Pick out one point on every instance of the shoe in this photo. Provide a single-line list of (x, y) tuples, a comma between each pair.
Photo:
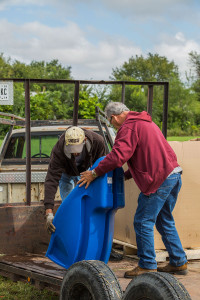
[(182, 270), (114, 256), (137, 271)]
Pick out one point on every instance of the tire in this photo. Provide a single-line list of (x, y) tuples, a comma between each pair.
[(156, 286), (90, 280)]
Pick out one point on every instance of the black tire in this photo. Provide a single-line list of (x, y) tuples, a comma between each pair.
[(177, 285), (156, 286), (90, 280)]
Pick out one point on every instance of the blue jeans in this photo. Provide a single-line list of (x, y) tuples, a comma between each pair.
[(156, 209), (67, 184)]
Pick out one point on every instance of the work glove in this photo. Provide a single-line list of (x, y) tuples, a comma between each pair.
[(49, 219)]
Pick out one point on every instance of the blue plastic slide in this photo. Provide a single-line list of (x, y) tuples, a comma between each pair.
[(85, 220)]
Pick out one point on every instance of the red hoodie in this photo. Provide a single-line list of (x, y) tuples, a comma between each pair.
[(141, 144)]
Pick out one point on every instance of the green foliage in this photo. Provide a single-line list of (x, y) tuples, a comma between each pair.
[(134, 95), (152, 68), (48, 101), (88, 100), (10, 290), (183, 109), (87, 105), (48, 106), (195, 62), (55, 101)]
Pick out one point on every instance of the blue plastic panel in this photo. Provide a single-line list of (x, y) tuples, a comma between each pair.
[(85, 221)]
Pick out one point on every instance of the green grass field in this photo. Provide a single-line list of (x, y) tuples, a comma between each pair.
[(181, 138), (10, 290)]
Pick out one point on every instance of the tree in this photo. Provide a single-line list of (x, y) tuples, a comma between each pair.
[(48, 106), (88, 100), (152, 68), (182, 112), (5, 67), (195, 62), (47, 100)]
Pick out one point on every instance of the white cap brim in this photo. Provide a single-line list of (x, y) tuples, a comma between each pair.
[(73, 148)]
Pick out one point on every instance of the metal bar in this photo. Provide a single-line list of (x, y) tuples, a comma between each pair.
[(102, 115), (109, 135), (101, 118), (123, 92), (8, 122), (101, 129), (28, 142), (76, 103), (150, 99), (63, 81), (11, 116), (165, 109)]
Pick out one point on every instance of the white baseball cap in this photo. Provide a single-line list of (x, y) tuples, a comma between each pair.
[(74, 140)]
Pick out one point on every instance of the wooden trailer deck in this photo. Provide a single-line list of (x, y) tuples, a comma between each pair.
[(42, 272)]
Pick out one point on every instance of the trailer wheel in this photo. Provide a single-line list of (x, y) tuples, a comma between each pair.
[(90, 280), (156, 286)]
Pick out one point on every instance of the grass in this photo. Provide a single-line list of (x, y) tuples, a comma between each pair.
[(10, 290), (181, 138)]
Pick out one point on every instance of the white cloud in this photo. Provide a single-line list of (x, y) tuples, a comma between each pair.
[(9, 3), (146, 9), (74, 47), (180, 37), (176, 48), (35, 41), (135, 8)]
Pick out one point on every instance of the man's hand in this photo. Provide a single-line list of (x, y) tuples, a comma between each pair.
[(86, 178), (49, 219)]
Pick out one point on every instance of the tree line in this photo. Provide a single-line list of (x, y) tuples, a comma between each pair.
[(55, 101)]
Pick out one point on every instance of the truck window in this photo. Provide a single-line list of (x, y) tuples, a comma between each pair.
[(41, 146)]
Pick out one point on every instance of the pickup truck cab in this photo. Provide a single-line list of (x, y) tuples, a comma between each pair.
[(13, 159)]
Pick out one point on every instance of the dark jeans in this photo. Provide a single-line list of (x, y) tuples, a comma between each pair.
[(67, 184), (156, 209)]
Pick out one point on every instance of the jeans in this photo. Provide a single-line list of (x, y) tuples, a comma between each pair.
[(156, 209), (67, 184)]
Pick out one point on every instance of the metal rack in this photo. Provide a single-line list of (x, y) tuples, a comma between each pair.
[(100, 117)]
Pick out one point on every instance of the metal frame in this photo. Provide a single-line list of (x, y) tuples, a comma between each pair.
[(27, 83)]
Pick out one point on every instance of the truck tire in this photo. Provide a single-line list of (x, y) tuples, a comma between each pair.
[(90, 280), (156, 286)]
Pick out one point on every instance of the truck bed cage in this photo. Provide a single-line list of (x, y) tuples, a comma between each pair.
[(99, 114)]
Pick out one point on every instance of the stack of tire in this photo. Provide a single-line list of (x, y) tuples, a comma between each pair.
[(94, 280)]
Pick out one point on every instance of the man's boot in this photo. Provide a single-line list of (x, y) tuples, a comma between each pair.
[(182, 270), (137, 271)]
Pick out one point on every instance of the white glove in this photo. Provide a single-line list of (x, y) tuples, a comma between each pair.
[(49, 219)]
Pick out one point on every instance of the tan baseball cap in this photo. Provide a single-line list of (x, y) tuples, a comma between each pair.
[(74, 140)]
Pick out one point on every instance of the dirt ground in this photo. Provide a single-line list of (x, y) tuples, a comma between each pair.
[(191, 281)]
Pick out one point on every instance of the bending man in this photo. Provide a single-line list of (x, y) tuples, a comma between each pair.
[(75, 152)]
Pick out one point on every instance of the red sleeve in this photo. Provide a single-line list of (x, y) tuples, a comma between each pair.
[(123, 149)]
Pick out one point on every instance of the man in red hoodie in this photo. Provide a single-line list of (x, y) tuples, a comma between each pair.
[(153, 165)]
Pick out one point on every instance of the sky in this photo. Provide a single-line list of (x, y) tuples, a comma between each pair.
[(93, 37)]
